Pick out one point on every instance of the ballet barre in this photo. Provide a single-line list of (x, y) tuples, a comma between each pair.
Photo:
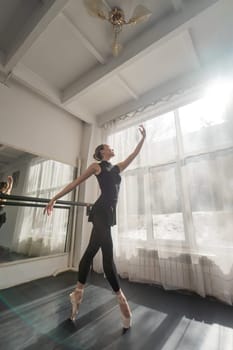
[(24, 201), (41, 200)]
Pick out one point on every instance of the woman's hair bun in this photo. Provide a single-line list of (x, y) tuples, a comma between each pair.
[(97, 155), (96, 158)]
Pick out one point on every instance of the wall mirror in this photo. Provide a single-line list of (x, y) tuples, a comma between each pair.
[(27, 232)]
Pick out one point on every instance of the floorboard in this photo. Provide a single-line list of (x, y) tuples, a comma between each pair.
[(35, 316)]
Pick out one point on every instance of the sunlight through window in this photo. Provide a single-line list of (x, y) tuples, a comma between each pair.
[(216, 99), (208, 111)]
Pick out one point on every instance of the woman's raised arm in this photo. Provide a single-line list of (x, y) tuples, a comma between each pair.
[(130, 158), (9, 184), (92, 169)]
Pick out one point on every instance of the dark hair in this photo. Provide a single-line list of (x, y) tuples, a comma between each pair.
[(97, 155), (2, 185)]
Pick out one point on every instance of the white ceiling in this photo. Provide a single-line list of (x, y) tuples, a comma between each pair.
[(60, 52)]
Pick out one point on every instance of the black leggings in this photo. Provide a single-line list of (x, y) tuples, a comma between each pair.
[(2, 219), (100, 238)]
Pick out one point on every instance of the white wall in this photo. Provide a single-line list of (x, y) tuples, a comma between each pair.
[(23, 271), (30, 123)]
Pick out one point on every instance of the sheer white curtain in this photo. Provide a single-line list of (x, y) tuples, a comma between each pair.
[(36, 234), (175, 210)]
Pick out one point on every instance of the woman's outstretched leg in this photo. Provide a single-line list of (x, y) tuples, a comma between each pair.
[(112, 277), (84, 267), (126, 314)]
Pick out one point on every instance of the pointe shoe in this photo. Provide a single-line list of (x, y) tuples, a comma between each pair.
[(75, 299), (126, 315)]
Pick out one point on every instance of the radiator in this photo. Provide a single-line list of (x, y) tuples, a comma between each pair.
[(172, 270)]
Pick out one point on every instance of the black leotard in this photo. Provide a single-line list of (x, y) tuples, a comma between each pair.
[(109, 181)]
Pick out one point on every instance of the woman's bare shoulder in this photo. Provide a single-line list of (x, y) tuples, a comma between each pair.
[(95, 167)]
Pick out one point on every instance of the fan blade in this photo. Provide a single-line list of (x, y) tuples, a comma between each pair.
[(140, 14), (96, 8)]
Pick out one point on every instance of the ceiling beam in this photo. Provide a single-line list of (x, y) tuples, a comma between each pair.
[(43, 15), (38, 85), (177, 4), (152, 96), (127, 87), (32, 80), (154, 36), (221, 66), (88, 45), (2, 59)]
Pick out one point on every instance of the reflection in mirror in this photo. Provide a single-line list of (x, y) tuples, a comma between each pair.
[(25, 232)]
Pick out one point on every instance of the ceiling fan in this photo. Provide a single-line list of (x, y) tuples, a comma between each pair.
[(116, 16)]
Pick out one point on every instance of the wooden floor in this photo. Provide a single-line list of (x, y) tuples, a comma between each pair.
[(35, 316)]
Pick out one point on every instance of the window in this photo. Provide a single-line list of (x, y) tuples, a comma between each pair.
[(181, 183)]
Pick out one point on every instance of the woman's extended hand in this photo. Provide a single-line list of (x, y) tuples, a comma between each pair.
[(49, 207), (142, 131), (10, 179)]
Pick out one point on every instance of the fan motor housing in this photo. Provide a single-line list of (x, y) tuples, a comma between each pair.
[(116, 16)]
